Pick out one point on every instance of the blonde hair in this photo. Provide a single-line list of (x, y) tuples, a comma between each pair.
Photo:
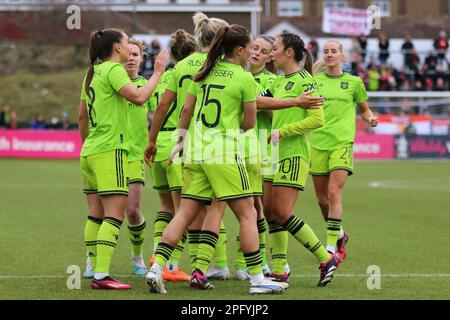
[(226, 40), (206, 28), (320, 65), (341, 48), (140, 45)]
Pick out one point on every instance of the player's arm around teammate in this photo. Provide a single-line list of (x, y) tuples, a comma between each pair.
[(261, 67), (228, 180), (332, 145), (103, 158), (293, 150)]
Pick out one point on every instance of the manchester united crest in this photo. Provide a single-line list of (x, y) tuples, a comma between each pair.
[(289, 86)]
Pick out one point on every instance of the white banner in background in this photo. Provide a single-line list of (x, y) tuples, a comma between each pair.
[(345, 21)]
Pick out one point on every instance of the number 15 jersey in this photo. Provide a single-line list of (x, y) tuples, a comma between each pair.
[(218, 111)]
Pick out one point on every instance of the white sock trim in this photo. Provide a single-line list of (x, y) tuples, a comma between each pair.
[(331, 248), (341, 234), (100, 275), (257, 278), (156, 268)]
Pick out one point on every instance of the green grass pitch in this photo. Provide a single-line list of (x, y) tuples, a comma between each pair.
[(397, 215)]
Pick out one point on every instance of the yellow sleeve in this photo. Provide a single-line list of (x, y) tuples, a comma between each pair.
[(314, 120)]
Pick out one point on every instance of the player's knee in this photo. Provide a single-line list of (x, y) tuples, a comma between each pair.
[(171, 238), (247, 216), (280, 214), (267, 207), (133, 212), (166, 205), (334, 194), (267, 214), (258, 207), (323, 204), (281, 219)]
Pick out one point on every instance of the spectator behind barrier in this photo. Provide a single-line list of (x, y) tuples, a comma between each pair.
[(441, 44), (5, 117), (38, 123)]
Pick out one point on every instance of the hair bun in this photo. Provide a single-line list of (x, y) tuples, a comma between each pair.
[(180, 35), (199, 18)]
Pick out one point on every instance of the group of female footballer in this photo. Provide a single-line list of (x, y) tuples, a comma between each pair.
[(239, 122)]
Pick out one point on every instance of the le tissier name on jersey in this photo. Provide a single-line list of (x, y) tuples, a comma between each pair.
[(222, 73)]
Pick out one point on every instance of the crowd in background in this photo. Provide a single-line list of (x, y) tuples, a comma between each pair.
[(431, 74), (9, 120)]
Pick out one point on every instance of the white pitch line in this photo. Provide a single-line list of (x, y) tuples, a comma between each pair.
[(350, 275), (393, 275), (36, 186), (409, 185), (32, 277)]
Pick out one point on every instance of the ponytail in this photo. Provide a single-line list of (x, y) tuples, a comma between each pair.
[(93, 55), (88, 80), (224, 43), (319, 67), (205, 29), (214, 54), (100, 48), (308, 65)]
